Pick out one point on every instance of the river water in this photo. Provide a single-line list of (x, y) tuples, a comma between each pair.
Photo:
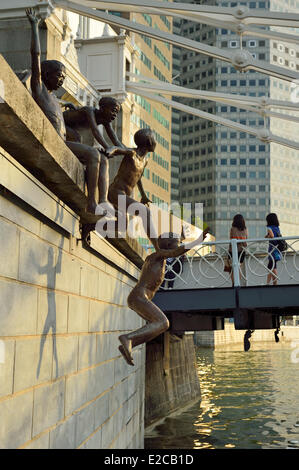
[(249, 400)]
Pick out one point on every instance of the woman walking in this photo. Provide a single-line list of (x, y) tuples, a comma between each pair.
[(274, 254), (239, 231)]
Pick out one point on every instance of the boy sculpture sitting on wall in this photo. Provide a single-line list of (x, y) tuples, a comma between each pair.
[(45, 78), (82, 123), (140, 298)]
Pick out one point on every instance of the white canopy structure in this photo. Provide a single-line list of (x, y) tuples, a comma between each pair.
[(242, 20), (238, 20), (263, 134), (241, 59)]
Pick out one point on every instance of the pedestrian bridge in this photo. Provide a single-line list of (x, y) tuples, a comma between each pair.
[(198, 294)]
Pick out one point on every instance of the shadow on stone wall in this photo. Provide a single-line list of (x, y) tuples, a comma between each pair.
[(51, 269)]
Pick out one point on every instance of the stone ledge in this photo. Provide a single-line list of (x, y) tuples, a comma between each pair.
[(29, 137)]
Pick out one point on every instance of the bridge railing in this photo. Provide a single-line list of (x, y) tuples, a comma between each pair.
[(206, 268)]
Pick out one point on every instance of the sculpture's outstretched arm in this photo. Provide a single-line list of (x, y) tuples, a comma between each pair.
[(35, 51)]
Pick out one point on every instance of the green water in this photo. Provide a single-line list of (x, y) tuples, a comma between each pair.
[(249, 400)]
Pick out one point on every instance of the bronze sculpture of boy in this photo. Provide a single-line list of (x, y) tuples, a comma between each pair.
[(140, 298), (45, 78)]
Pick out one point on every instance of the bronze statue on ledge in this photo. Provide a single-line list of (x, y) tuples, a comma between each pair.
[(45, 78), (129, 175), (85, 121), (140, 298)]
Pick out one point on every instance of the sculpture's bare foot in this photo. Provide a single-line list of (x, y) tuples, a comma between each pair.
[(125, 349), (106, 210), (85, 232), (91, 206)]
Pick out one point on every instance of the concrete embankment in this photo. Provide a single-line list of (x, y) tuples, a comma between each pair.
[(171, 376)]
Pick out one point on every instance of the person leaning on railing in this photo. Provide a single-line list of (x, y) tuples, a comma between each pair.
[(274, 253), (239, 231)]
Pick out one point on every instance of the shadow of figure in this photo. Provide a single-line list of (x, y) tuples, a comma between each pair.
[(51, 270), (59, 213)]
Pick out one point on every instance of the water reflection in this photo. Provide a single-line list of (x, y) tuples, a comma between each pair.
[(248, 400)]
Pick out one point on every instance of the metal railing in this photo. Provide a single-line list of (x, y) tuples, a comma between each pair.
[(202, 269)]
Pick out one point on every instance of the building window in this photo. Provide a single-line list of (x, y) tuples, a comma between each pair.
[(252, 43)]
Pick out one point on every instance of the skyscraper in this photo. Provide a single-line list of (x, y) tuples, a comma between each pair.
[(154, 60), (233, 172)]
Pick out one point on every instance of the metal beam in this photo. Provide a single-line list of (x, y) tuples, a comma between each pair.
[(171, 89), (263, 134), (224, 301), (241, 60), (262, 103), (156, 8), (240, 14), (256, 107)]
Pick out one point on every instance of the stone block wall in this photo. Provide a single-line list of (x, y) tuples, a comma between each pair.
[(63, 382), (171, 376)]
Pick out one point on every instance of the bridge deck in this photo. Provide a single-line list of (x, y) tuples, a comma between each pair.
[(256, 307)]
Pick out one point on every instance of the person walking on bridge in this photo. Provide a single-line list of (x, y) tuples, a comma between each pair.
[(239, 231), (274, 253)]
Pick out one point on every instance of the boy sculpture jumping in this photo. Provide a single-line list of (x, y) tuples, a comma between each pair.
[(140, 298)]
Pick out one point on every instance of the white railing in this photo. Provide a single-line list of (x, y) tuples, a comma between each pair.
[(204, 268)]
